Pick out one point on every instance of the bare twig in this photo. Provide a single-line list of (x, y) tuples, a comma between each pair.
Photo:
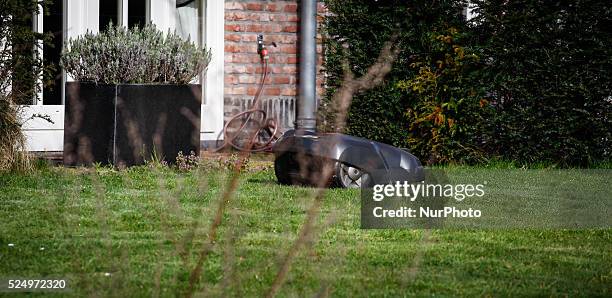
[(350, 86), (212, 232), (371, 79)]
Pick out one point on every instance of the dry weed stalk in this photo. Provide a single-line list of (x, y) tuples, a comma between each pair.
[(217, 220), (181, 244), (342, 99)]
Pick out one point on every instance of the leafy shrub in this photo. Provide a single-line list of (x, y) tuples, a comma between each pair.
[(446, 117), (138, 55), (539, 91), (357, 30)]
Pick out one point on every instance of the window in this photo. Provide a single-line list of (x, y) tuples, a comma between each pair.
[(188, 18), (53, 24), (137, 13), (109, 13)]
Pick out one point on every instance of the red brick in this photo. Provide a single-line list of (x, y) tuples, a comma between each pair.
[(249, 48), (249, 37), (275, 69), (234, 47), (277, 58), (231, 27), (230, 79), (251, 90), (246, 58), (247, 79), (272, 28), (231, 48), (288, 38), (262, 17), (289, 91), (281, 80), (288, 49), (293, 18), (292, 60), (289, 69), (257, 69), (272, 91), (253, 28), (290, 28), (271, 7), (236, 90), (290, 8), (271, 69), (235, 16), (278, 17), (233, 5), (254, 6), (236, 68), (232, 37)]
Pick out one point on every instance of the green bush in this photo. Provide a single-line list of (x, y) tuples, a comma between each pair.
[(138, 55), (532, 85), (548, 75), (357, 30), (446, 119)]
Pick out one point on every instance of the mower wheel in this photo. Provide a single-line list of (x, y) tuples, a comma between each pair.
[(347, 176)]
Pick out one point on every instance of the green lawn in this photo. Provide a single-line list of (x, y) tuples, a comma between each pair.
[(138, 232)]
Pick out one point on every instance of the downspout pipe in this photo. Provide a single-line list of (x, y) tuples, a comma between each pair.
[(307, 100)]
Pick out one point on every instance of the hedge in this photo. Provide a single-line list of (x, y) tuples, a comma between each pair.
[(527, 81)]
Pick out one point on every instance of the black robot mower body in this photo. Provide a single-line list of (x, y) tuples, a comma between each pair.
[(300, 158), (303, 154)]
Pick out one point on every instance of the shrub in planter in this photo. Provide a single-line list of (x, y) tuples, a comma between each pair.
[(132, 98)]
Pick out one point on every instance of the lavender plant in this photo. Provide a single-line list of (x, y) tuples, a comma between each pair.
[(133, 56), (187, 162)]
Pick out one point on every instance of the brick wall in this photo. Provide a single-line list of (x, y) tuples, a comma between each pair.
[(278, 21)]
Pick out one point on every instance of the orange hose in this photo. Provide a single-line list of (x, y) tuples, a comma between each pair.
[(264, 126)]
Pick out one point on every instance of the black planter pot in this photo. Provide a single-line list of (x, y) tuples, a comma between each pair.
[(126, 125)]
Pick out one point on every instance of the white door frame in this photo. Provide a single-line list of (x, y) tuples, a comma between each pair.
[(81, 16), (213, 88)]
